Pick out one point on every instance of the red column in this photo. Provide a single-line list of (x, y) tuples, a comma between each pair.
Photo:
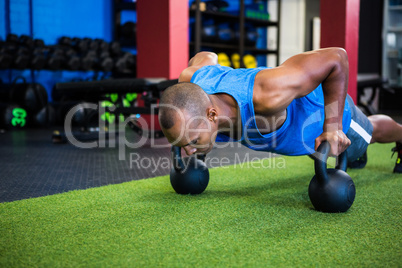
[(162, 38), (340, 28)]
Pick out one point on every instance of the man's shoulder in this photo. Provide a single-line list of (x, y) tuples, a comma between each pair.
[(187, 74)]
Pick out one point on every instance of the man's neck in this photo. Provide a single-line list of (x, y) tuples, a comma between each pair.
[(228, 110)]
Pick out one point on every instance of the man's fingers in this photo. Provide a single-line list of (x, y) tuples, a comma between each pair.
[(334, 148), (318, 142), (338, 141)]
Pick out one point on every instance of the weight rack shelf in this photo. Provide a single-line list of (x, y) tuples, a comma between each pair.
[(235, 48), (234, 18), (239, 46)]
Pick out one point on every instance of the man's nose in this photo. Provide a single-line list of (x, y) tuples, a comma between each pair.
[(190, 150)]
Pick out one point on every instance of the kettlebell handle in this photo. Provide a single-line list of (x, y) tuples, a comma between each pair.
[(178, 163), (320, 162)]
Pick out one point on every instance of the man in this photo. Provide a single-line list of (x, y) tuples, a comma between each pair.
[(290, 109)]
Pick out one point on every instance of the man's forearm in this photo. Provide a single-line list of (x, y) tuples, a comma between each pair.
[(335, 91)]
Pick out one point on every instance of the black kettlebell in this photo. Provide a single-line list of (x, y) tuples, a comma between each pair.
[(331, 190), (189, 175)]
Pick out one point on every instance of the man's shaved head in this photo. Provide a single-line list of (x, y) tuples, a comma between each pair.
[(187, 97)]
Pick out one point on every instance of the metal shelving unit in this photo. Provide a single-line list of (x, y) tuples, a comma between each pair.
[(118, 7), (197, 44), (392, 44)]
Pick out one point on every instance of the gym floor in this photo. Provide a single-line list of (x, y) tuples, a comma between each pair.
[(249, 216), (32, 165)]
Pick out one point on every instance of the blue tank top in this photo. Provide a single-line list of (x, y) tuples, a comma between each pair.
[(304, 120)]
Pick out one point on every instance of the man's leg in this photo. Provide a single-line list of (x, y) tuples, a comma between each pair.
[(386, 130)]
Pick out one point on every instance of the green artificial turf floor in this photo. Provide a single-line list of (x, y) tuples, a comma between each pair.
[(248, 216)]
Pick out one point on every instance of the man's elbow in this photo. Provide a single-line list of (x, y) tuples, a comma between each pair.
[(207, 54), (204, 58), (340, 57)]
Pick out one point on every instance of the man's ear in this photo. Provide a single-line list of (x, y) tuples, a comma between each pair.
[(212, 114)]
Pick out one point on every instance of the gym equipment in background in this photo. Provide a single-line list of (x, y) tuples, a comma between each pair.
[(209, 31), (128, 33), (223, 59), (189, 175), (250, 61), (21, 52), (85, 54), (251, 35), (147, 92), (235, 58), (24, 104), (12, 116), (331, 190), (225, 33), (32, 96)]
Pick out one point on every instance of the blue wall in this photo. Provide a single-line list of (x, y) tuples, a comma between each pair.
[(2, 20), (55, 18), (51, 20)]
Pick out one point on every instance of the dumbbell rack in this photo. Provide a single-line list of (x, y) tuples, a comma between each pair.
[(118, 7), (240, 48)]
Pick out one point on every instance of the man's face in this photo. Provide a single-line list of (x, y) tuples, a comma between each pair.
[(195, 135)]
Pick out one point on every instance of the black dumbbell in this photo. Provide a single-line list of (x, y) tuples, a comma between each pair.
[(12, 39), (26, 41), (89, 60), (71, 59), (114, 48), (5, 57), (19, 55), (37, 55), (129, 31), (126, 63), (102, 45), (38, 60), (80, 45), (104, 62), (39, 43), (92, 44), (35, 49), (65, 41), (21, 58), (54, 58)]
